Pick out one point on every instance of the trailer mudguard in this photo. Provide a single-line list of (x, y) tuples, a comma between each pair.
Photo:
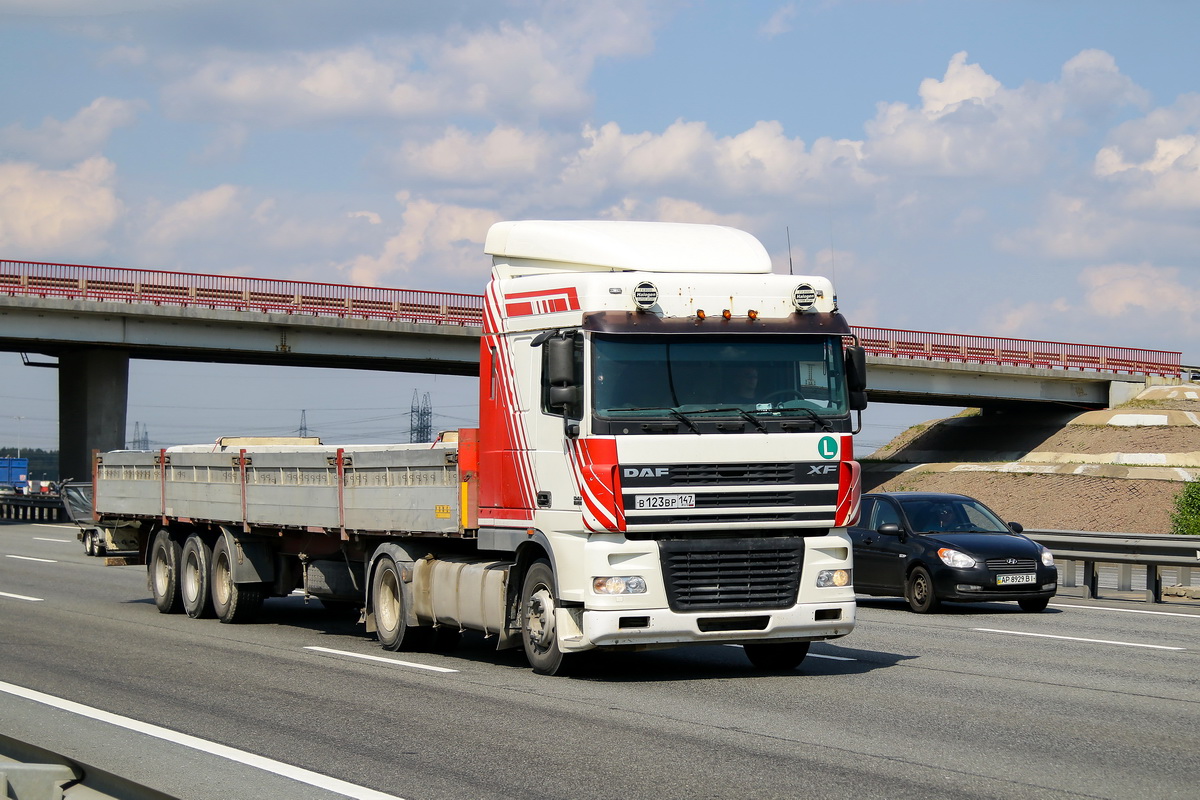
[(253, 560)]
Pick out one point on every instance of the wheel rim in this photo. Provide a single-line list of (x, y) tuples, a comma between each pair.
[(920, 589), (162, 573), (539, 618), (387, 607), (191, 578), (222, 587)]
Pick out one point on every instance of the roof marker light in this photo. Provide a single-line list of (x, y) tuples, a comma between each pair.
[(700, 314), (726, 314)]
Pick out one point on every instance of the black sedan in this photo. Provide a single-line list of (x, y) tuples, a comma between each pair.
[(928, 547)]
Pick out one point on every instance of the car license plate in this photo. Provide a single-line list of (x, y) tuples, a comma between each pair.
[(1025, 577), (651, 501)]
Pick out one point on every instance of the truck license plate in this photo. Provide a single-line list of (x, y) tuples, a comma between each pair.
[(650, 501), (1005, 580)]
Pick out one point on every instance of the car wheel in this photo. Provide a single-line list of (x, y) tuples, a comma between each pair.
[(919, 591), (1034, 604)]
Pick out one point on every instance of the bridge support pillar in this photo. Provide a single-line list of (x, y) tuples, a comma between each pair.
[(93, 394)]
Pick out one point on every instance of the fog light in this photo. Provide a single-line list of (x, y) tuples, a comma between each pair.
[(967, 587), (1048, 586), (833, 577), (629, 584)]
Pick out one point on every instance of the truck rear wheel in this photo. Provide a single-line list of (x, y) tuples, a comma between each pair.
[(232, 602), (195, 577), (538, 631), (164, 559), (387, 602)]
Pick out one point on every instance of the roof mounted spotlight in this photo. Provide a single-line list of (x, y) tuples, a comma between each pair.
[(645, 295), (804, 297)]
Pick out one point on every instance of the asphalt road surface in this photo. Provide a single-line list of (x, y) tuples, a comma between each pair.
[(1096, 699)]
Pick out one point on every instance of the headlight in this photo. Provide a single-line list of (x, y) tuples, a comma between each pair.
[(1047, 558), (833, 577), (953, 558), (629, 584)]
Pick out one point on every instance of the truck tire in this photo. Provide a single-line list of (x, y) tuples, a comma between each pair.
[(232, 602), (163, 568), (538, 631), (776, 656), (387, 602), (195, 571), (89, 543)]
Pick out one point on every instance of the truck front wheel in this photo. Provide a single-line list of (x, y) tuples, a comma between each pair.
[(538, 631), (232, 602), (164, 573), (195, 577)]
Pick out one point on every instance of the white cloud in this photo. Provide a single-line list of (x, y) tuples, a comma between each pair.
[(1118, 291), (444, 243), (780, 22), (1169, 179), (84, 135), (498, 71), (503, 154), (202, 216), (57, 215)]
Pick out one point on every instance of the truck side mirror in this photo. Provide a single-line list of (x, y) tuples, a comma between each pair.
[(856, 369), (560, 360)]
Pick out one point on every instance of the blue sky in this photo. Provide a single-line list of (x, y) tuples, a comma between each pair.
[(1025, 169)]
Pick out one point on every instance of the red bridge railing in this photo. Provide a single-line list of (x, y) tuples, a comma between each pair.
[(119, 285), (116, 284)]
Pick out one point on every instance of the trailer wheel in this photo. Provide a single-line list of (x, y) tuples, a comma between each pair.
[(195, 577), (164, 573), (387, 602), (89, 543), (232, 602), (538, 632), (776, 656)]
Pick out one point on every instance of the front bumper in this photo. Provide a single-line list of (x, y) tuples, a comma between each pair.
[(584, 630), (979, 585)]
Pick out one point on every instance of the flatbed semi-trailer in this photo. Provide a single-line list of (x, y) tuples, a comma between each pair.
[(630, 483)]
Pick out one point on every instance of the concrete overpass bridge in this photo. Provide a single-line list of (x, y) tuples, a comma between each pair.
[(94, 319)]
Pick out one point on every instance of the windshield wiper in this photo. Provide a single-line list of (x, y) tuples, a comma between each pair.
[(674, 412), (817, 418), (746, 415)]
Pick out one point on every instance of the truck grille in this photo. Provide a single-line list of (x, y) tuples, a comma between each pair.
[(732, 574), (731, 474)]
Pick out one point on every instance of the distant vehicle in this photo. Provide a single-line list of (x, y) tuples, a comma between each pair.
[(14, 473), (929, 548)]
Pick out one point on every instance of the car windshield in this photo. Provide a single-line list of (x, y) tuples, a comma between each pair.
[(950, 514), (646, 376)]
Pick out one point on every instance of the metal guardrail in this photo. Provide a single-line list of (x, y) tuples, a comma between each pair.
[(1152, 551), (117, 284), (47, 507)]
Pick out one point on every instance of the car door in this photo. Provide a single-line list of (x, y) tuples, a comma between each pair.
[(890, 551), (864, 538)]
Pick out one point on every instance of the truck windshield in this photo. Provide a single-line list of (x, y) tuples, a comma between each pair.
[(774, 375)]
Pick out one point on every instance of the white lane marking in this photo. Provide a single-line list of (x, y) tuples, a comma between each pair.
[(59, 541), (46, 525), (298, 774), (1077, 639), (1129, 610), (31, 558), (21, 597), (394, 661)]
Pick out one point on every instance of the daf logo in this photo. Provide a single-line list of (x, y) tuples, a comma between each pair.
[(822, 469), (646, 472)]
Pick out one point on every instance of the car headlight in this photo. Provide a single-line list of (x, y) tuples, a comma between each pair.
[(627, 584), (833, 577), (953, 558), (1047, 558)]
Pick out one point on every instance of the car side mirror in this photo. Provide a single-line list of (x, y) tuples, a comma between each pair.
[(1016, 527), (889, 529)]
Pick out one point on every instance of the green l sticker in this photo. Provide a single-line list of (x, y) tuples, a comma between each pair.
[(827, 447)]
